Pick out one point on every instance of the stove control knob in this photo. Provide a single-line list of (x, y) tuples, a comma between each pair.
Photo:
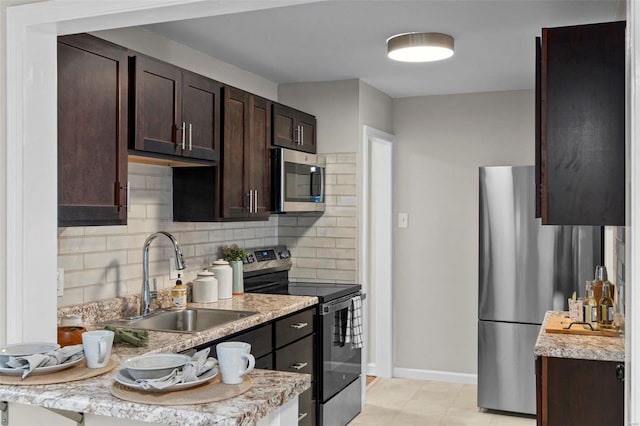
[(250, 258), (284, 254)]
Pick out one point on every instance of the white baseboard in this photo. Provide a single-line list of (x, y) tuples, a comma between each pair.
[(438, 376), (371, 369)]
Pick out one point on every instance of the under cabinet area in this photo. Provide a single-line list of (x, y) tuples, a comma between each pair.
[(580, 119), (176, 112), (92, 131), (294, 129)]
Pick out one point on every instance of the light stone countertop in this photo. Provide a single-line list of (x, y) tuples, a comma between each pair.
[(598, 348), (271, 388)]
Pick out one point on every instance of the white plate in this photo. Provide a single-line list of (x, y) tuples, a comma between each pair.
[(125, 379), (39, 370), (25, 349)]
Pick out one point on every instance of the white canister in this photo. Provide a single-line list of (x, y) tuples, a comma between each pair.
[(224, 273), (205, 288)]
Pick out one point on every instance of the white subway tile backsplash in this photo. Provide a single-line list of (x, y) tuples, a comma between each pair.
[(103, 262), (71, 262), (106, 259), (81, 245), (337, 253)]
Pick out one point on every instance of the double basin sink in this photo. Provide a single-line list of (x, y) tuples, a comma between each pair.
[(182, 321)]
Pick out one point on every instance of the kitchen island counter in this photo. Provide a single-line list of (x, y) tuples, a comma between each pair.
[(596, 348), (271, 389)]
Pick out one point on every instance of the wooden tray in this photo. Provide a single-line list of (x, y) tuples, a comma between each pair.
[(560, 324), (211, 391), (71, 374)]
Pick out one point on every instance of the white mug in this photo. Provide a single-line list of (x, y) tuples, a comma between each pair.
[(97, 347), (233, 358)]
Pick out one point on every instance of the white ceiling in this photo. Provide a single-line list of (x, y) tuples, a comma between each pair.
[(337, 40)]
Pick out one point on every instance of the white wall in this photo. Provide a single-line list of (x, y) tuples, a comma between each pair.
[(157, 46), (441, 142), (335, 105), (375, 108)]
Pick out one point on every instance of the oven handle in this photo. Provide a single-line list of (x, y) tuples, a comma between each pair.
[(331, 307)]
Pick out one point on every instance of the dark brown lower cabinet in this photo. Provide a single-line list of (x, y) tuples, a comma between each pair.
[(285, 344), (579, 392)]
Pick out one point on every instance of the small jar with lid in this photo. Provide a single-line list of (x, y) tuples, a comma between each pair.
[(224, 274), (205, 288)]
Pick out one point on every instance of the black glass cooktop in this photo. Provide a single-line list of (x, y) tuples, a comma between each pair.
[(324, 291)]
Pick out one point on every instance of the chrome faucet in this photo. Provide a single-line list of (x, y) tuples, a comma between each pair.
[(145, 298)]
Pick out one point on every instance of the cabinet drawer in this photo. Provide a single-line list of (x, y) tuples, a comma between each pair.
[(294, 327), (260, 340), (307, 407), (297, 357)]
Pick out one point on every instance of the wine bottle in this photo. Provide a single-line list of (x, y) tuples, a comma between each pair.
[(605, 319), (590, 307)]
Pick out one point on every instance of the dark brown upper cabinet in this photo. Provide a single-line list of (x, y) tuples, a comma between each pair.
[(240, 187), (176, 112), (580, 106), (245, 169), (294, 129), (92, 131)]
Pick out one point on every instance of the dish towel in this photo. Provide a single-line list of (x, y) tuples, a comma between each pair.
[(200, 363), (354, 322), (48, 359)]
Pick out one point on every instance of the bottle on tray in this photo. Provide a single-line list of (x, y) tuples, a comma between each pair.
[(590, 307), (605, 319)]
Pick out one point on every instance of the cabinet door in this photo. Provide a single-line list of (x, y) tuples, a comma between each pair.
[(580, 392), (234, 197), (201, 114), (296, 357), (92, 131), (307, 124), (583, 125), (157, 104), (285, 130), (259, 155)]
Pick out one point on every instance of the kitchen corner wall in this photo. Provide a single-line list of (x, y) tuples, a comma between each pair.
[(106, 261), (323, 248)]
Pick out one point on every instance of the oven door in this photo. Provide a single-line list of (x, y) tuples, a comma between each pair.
[(341, 362), (298, 181)]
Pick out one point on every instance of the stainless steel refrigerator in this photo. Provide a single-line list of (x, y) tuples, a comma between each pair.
[(525, 269)]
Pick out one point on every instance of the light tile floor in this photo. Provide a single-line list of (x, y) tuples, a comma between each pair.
[(400, 402)]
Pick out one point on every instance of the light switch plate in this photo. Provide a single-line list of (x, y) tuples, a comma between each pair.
[(403, 220), (173, 272), (60, 282)]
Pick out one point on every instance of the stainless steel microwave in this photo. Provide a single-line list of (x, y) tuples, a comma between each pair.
[(298, 181)]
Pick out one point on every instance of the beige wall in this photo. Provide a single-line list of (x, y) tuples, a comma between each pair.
[(157, 46), (335, 105), (441, 142), (375, 108)]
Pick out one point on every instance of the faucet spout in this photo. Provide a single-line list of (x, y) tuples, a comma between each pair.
[(145, 297)]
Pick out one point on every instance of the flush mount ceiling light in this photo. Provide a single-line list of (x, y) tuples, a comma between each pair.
[(420, 47)]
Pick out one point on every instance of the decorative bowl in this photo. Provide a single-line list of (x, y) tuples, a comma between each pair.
[(70, 335), (154, 366)]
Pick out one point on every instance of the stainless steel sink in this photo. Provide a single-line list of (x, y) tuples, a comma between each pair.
[(182, 321)]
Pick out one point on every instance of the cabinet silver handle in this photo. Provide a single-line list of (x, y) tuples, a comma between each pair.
[(302, 131), (250, 195), (190, 137), (255, 203), (184, 134), (302, 416), (299, 365), (299, 325)]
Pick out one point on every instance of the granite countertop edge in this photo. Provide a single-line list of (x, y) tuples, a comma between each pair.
[(596, 348), (271, 389)]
